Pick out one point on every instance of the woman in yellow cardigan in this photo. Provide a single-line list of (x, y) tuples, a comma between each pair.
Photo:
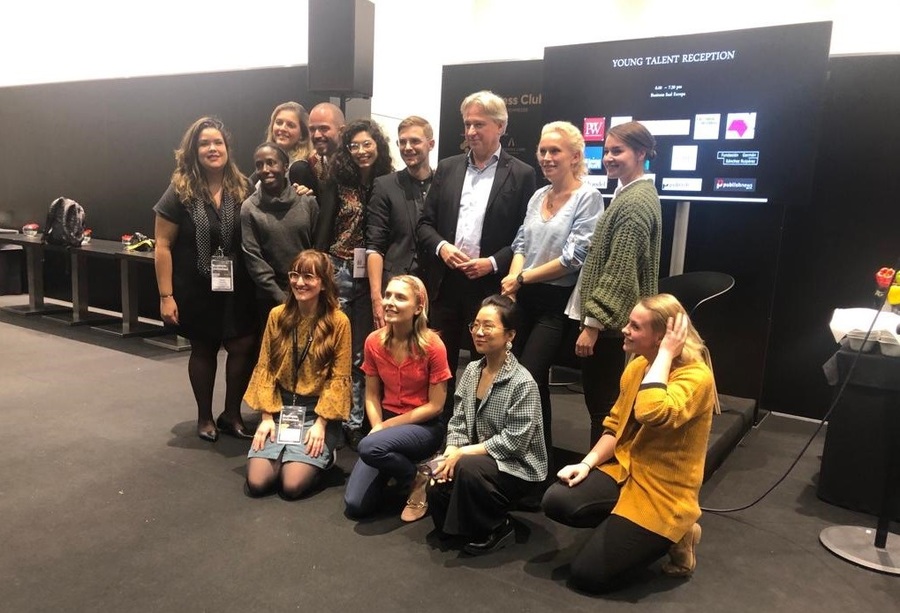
[(303, 378), (639, 485)]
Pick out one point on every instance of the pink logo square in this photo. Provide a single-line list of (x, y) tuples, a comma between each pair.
[(594, 128)]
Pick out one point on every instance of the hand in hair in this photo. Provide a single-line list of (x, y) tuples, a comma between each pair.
[(676, 334)]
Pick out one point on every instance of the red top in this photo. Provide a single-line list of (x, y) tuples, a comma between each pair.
[(404, 387)]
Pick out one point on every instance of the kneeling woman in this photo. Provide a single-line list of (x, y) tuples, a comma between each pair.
[(643, 500), (406, 385), (303, 373), (495, 452)]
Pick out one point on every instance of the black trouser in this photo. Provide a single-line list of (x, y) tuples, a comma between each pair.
[(538, 340), (600, 376), (617, 548), (477, 500)]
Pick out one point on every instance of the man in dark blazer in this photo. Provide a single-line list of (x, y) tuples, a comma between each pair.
[(474, 208), (394, 210)]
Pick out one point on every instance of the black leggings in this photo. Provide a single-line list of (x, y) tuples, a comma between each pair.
[(600, 376), (617, 548), (539, 338)]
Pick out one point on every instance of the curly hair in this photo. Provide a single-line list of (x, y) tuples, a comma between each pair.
[(189, 178), (303, 148), (323, 347), (344, 170)]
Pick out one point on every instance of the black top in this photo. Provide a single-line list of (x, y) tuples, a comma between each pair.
[(203, 313)]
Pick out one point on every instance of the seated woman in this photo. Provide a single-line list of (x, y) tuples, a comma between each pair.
[(406, 384), (303, 372), (495, 452), (643, 499), (276, 225)]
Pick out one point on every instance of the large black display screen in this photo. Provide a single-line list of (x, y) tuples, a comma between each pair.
[(735, 114)]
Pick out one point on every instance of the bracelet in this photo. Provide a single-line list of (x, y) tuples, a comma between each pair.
[(588, 465), (161, 296)]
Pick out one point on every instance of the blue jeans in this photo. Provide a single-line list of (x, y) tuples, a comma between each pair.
[(356, 303), (392, 452)]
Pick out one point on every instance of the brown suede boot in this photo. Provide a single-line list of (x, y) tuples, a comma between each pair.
[(682, 557)]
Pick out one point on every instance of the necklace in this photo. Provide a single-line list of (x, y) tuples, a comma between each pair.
[(556, 199)]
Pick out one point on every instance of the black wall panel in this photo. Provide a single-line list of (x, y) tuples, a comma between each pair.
[(109, 145), (834, 243)]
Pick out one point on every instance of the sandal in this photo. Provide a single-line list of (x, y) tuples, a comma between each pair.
[(416, 505)]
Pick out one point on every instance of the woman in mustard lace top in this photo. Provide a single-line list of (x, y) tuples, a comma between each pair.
[(302, 377)]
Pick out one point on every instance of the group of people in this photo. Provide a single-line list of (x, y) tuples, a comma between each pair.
[(343, 293)]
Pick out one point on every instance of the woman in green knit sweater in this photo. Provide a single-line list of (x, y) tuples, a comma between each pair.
[(639, 485), (621, 267)]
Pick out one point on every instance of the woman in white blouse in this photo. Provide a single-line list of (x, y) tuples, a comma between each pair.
[(549, 249)]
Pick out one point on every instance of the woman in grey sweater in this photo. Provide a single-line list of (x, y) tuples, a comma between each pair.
[(276, 225)]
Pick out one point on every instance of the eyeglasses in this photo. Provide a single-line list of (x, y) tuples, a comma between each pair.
[(412, 142), (485, 328), (366, 145), (307, 277)]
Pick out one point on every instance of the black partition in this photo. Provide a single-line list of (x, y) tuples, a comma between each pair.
[(109, 145), (836, 241)]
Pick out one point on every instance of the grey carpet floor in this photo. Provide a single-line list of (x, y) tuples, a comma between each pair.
[(109, 502)]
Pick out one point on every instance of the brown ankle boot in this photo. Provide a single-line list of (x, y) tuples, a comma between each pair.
[(682, 557)]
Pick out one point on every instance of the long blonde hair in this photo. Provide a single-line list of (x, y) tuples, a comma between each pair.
[(418, 342), (661, 308), (303, 149)]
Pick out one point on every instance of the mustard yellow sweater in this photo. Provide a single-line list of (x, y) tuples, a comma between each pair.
[(661, 434), (330, 383)]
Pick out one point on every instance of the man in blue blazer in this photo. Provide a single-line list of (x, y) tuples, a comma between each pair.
[(474, 208), (394, 209)]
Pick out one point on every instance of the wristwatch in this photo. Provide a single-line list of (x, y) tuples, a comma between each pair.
[(520, 279)]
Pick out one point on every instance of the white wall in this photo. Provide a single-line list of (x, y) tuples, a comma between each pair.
[(60, 40)]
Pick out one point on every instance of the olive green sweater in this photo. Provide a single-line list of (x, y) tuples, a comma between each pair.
[(623, 263)]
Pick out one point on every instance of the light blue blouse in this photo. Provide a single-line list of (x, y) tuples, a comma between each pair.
[(566, 235)]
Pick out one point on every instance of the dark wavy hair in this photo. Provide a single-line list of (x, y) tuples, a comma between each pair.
[(323, 346), (344, 170), (189, 178)]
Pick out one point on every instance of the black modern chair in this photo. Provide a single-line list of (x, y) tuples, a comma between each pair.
[(694, 288)]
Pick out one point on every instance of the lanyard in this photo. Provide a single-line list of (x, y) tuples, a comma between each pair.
[(298, 359)]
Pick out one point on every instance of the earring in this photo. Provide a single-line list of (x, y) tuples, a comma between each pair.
[(508, 347)]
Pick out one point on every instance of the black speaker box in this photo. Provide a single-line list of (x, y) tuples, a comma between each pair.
[(341, 47)]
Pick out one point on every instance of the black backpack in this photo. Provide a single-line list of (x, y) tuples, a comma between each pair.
[(65, 223)]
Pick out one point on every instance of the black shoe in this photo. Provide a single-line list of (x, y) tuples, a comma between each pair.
[(354, 436), (498, 539), (237, 430), (208, 433)]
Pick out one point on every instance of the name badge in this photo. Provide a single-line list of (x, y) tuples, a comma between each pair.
[(221, 273), (290, 425), (359, 263)]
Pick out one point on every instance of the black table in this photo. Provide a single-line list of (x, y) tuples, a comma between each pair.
[(79, 314), (861, 458)]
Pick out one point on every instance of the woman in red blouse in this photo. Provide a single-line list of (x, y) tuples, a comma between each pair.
[(406, 384)]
